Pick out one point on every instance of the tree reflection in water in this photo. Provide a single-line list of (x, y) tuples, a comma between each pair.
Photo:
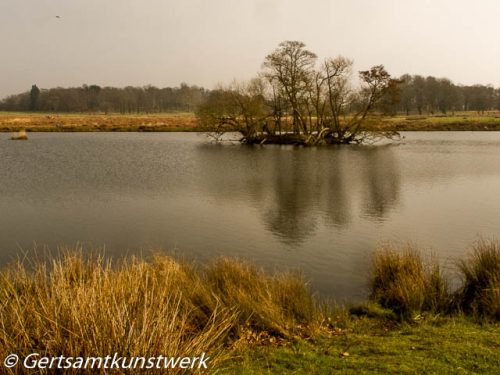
[(297, 189)]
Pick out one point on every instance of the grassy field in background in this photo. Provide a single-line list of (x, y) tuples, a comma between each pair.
[(461, 121), (183, 121), (84, 114), (47, 122)]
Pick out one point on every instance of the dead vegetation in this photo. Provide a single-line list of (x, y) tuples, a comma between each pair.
[(20, 135), (10, 122), (87, 306), (409, 284)]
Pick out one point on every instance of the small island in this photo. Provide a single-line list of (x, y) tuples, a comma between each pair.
[(293, 102)]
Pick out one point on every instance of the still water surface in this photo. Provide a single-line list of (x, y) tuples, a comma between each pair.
[(320, 210)]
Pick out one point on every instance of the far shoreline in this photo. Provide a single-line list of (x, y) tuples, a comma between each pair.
[(187, 122)]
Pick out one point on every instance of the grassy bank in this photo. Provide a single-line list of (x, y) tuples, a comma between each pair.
[(414, 323), (459, 121), (249, 321), (171, 122), (86, 306), (370, 346), (48, 122)]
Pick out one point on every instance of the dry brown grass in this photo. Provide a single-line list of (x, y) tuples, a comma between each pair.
[(480, 293), (42, 122), (20, 135), (275, 304), (14, 121), (76, 305), (460, 121), (404, 283)]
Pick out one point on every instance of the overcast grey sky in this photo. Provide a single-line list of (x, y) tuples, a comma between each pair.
[(166, 42)]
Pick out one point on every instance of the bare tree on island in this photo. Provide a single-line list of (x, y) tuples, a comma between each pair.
[(239, 107), (322, 104), (292, 66)]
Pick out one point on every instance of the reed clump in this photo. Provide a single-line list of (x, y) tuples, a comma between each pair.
[(480, 292), (86, 306), (20, 135), (403, 282), (276, 304)]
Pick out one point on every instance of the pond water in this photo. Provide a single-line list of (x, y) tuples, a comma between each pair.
[(320, 210)]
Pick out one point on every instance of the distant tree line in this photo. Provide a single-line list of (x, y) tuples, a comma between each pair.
[(430, 95), (93, 98), (418, 94)]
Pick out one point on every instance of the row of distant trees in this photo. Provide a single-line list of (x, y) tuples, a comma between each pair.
[(418, 94), (430, 95), (93, 98)]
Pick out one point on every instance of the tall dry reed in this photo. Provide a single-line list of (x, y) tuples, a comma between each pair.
[(404, 283), (480, 292), (87, 306)]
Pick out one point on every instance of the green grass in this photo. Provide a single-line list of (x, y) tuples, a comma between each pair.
[(444, 346)]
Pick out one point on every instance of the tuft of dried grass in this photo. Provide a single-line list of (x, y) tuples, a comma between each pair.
[(404, 283), (480, 292), (276, 304), (20, 135)]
